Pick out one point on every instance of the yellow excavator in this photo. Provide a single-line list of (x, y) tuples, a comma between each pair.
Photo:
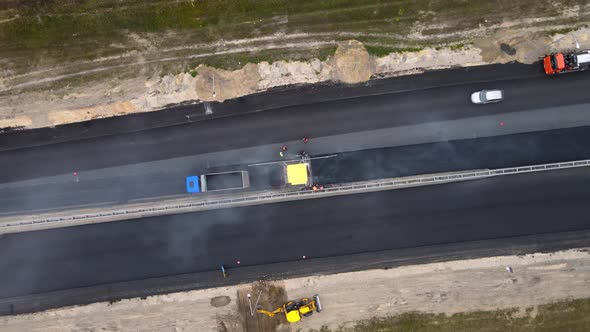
[(294, 310)]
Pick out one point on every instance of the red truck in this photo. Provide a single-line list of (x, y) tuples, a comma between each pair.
[(561, 63)]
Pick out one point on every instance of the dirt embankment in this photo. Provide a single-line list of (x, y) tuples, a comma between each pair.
[(35, 99), (451, 287)]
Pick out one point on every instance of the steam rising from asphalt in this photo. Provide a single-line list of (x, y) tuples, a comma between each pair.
[(448, 156)]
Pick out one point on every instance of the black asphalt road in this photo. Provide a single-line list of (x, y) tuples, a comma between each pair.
[(494, 208), (276, 98), (490, 152), (549, 242), (452, 214), (290, 123), (483, 153)]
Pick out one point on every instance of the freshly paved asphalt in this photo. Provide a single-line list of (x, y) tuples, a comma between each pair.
[(501, 207), (487, 152)]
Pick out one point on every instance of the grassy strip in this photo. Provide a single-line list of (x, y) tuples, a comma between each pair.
[(46, 23), (383, 50), (564, 30), (571, 315), (49, 23), (51, 32), (238, 60)]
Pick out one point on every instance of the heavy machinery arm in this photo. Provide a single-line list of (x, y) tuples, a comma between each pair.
[(270, 313), (294, 310)]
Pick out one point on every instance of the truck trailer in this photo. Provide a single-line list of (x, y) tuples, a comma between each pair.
[(217, 181), (561, 63)]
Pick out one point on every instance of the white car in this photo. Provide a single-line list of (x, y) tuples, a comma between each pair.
[(487, 96)]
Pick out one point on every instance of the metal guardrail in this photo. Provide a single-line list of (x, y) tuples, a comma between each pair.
[(261, 198)]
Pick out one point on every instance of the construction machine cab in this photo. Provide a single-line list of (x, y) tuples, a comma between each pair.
[(554, 63), (294, 310)]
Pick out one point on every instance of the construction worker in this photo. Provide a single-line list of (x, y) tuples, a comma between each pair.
[(223, 271), (281, 154)]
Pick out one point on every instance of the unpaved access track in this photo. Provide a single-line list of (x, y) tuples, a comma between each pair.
[(448, 288), (68, 61)]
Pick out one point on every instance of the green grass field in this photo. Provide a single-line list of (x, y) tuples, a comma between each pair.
[(572, 316), (58, 28), (176, 35)]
